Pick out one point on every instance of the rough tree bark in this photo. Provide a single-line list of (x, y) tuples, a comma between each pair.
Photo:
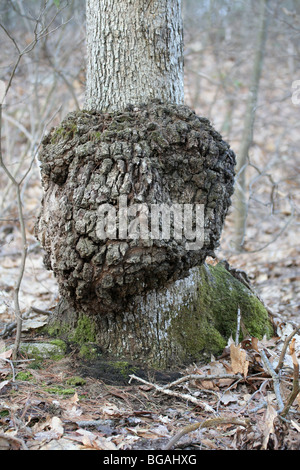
[(141, 297), (134, 53)]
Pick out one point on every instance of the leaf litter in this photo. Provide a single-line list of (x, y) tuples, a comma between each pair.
[(229, 403), (148, 415)]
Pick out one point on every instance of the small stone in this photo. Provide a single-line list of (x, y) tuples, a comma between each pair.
[(42, 350)]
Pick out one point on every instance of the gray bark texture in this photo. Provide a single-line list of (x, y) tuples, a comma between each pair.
[(136, 297), (134, 53), (157, 154)]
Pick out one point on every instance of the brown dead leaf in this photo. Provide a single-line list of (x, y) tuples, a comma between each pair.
[(209, 443), (228, 398), (109, 410), (74, 398), (104, 444), (61, 444), (268, 428), (72, 413), (91, 440), (6, 354), (292, 352), (52, 428), (87, 438), (239, 362), (208, 385), (57, 426), (4, 443), (4, 383)]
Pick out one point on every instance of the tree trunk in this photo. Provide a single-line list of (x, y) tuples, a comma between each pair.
[(240, 212), (136, 290), (134, 53)]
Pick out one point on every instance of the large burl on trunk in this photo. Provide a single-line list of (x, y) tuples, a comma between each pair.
[(130, 285)]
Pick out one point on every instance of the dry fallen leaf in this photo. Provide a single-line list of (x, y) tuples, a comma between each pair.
[(61, 444), (228, 398), (57, 425), (268, 429), (4, 383), (109, 409), (6, 354), (239, 362)]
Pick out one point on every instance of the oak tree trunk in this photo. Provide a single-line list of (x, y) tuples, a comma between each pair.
[(138, 297), (134, 53)]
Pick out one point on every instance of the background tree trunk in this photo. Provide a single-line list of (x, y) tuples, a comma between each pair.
[(240, 212), (134, 53)]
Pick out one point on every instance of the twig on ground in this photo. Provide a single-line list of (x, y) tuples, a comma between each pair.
[(262, 405), (40, 310), (296, 387), (208, 423), (24, 247), (284, 349), (238, 326), (11, 365), (276, 380), (202, 377), (183, 396)]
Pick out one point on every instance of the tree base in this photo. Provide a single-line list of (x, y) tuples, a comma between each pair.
[(183, 323)]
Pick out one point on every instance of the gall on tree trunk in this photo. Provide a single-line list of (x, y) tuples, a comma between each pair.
[(136, 189)]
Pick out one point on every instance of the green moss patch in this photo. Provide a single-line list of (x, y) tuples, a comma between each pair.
[(85, 331), (58, 390), (25, 376), (76, 381), (205, 325)]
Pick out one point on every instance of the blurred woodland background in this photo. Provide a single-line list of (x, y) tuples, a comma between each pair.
[(42, 61)]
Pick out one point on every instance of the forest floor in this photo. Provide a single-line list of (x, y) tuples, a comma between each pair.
[(75, 404), (72, 404)]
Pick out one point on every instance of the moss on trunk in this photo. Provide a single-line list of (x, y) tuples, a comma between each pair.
[(193, 319), (205, 324)]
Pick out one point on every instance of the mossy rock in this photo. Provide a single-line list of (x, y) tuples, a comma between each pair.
[(54, 350)]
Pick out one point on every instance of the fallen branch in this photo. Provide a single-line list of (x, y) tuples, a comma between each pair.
[(208, 423), (276, 380), (296, 387), (183, 396), (202, 377)]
